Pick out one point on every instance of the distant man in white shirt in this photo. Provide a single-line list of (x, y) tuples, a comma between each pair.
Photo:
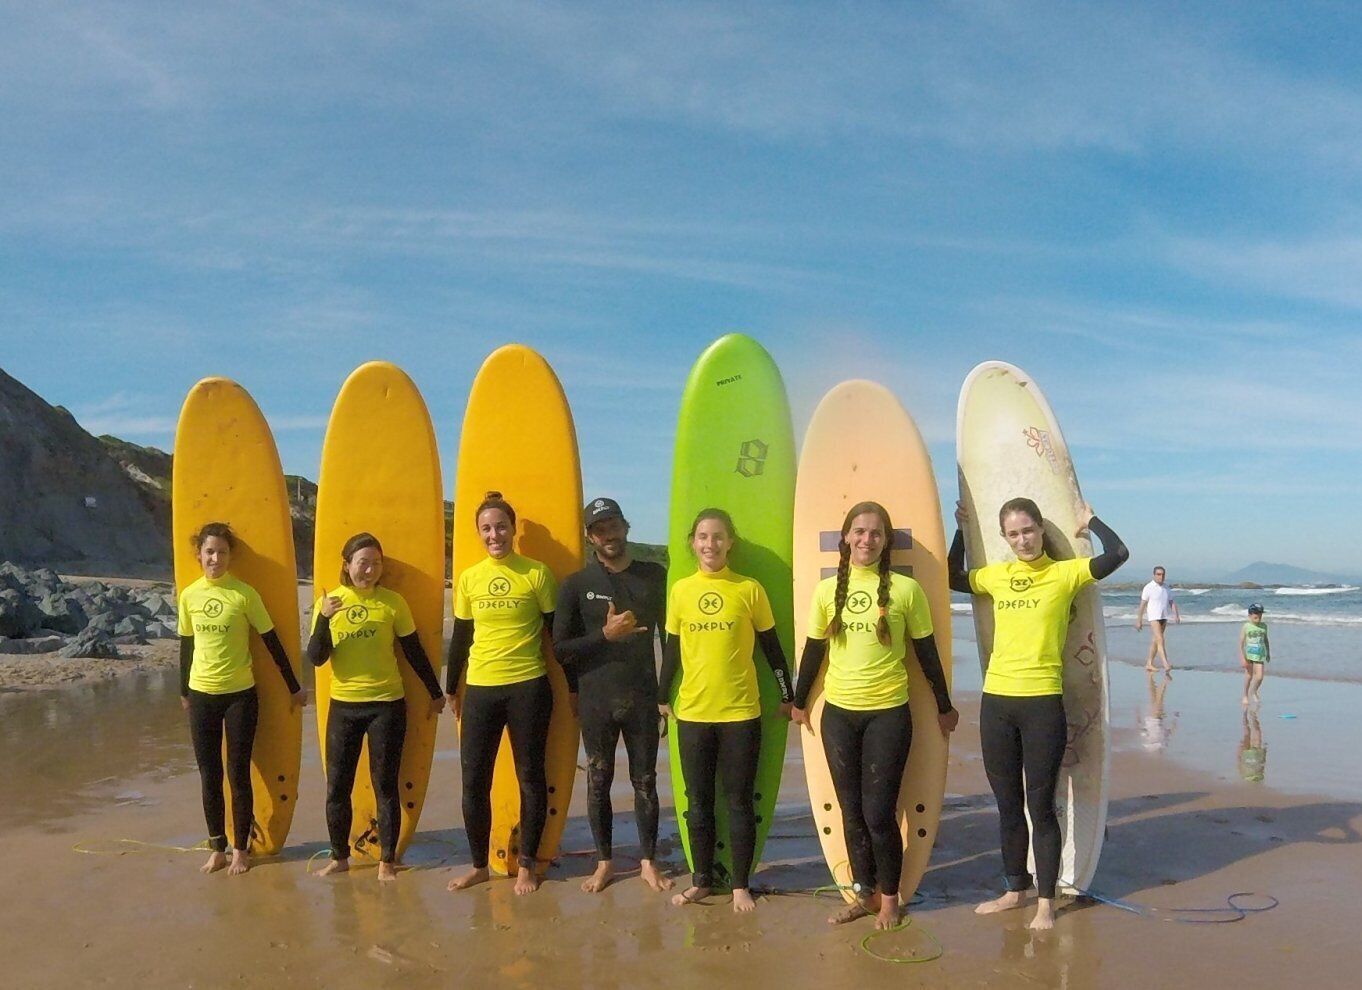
[(1157, 605)]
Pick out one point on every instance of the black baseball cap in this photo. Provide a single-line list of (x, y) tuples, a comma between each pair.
[(1255, 607), (601, 509)]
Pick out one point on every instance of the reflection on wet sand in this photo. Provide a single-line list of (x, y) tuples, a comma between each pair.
[(1156, 727), (1063, 959), (81, 743), (1252, 749)]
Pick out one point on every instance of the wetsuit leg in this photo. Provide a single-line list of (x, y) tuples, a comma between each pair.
[(484, 718), (885, 743), (600, 736), (240, 717), (205, 731), (527, 717), (699, 744), (867, 751), (387, 731), (739, 748), (842, 744), (1001, 743), (1044, 735), (641, 742), (345, 725)]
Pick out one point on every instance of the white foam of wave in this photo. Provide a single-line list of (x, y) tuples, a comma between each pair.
[(1192, 591), (1228, 614), (1236, 612), (962, 608), (1316, 591)]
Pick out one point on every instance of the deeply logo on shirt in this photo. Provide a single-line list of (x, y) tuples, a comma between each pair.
[(500, 587), (213, 608), (1020, 584), (752, 458), (357, 615), (591, 596), (858, 601), (711, 602)]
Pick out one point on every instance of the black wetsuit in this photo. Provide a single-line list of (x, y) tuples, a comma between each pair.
[(1022, 740), (867, 751), (384, 724), (523, 711), (617, 687), (236, 714), (728, 748)]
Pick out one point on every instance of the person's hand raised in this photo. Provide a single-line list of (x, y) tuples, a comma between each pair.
[(621, 625)]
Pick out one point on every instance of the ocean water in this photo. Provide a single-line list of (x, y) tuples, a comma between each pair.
[(1316, 633)]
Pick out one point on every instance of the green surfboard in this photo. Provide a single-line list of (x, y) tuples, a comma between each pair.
[(735, 450)]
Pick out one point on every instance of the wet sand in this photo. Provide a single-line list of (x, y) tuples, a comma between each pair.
[(88, 765)]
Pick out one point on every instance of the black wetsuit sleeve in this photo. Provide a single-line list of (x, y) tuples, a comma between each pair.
[(955, 565), (775, 656), (930, 662), (571, 641), (810, 663), (276, 648), (186, 662), (569, 670), (1114, 552), (671, 666), (319, 646), (420, 662), (459, 645)]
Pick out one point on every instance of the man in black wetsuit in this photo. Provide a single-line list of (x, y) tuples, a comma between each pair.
[(607, 616)]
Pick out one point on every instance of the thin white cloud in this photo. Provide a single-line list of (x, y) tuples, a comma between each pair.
[(1325, 269)]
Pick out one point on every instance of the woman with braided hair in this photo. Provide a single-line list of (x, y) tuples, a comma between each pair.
[(860, 623)]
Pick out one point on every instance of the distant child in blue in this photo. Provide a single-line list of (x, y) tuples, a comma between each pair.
[(1254, 653)]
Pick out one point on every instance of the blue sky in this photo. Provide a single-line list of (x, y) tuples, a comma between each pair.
[(1154, 211)]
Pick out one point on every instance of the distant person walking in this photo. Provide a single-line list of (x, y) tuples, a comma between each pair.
[(1157, 605), (1254, 653)]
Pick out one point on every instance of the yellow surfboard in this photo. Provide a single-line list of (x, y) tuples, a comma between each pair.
[(226, 469), (381, 474), (862, 446), (518, 439)]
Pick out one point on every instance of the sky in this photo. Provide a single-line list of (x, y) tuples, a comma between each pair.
[(1156, 210)]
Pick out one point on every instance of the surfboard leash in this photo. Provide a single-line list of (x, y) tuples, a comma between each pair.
[(137, 846), (1237, 911)]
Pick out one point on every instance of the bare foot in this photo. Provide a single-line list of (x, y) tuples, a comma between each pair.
[(654, 877), (742, 901), (1045, 915), (598, 881), (218, 860), (526, 881), (853, 912), (890, 915), (335, 866), (241, 863), (1012, 899), (1245, 701), (690, 895), (470, 879), (1149, 667), (387, 872)]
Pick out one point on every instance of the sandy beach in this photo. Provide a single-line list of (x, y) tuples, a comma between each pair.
[(108, 760)]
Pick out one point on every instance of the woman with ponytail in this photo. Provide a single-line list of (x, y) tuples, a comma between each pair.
[(860, 623)]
